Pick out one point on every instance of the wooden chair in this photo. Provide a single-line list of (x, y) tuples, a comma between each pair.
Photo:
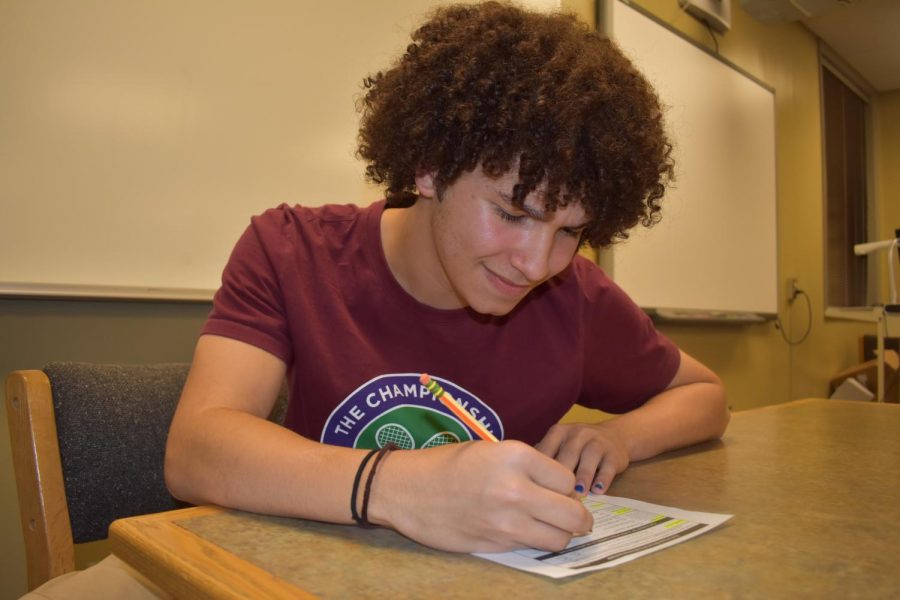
[(88, 445)]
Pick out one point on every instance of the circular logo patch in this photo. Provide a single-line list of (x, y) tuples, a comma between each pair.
[(398, 408)]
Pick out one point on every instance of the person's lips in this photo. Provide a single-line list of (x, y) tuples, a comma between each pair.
[(506, 286)]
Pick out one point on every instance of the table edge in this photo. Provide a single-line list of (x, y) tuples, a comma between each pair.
[(200, 569)]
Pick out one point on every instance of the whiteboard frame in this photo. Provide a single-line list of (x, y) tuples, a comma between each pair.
[(74, 291), (606, 258), (177, 144)]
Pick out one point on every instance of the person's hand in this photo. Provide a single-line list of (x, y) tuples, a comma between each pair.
[(478, 497), (595, 452)]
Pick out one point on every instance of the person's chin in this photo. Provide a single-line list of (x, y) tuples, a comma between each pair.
[(490, 304), (495, 296)]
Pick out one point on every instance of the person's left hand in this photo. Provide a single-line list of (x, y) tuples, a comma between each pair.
[(595, 452)]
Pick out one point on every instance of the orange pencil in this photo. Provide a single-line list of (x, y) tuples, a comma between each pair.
[(450, 402), (447, 400)]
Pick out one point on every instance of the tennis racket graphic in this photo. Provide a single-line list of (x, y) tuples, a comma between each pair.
[(440, 439), (398, 434)]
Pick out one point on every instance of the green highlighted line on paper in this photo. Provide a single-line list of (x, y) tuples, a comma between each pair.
[(624, 529)]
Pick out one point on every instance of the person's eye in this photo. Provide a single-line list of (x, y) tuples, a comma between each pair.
[(575, 233), (509, 217)]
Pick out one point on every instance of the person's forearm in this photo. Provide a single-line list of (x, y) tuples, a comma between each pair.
[(678, 417), (458, 497), (234, 459)]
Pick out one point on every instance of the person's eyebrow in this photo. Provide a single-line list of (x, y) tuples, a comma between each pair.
[(532, 212), (537, 214)]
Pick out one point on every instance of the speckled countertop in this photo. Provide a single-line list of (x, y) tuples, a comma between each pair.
[(814, 487)]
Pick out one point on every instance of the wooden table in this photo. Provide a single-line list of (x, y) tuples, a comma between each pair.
[(814, 486)]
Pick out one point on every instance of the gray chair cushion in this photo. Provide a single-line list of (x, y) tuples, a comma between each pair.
[(112, 423)]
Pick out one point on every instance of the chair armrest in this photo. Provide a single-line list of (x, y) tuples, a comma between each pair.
[(39, 479)]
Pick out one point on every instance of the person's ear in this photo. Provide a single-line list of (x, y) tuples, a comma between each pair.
[(425, 184)]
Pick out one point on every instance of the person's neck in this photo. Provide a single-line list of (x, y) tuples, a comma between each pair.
[(408, 245)]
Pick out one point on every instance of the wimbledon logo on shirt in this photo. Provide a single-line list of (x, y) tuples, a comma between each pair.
[(397, 408)]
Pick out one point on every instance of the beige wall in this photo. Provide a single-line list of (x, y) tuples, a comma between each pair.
[(755, 363), (887, 174), (758, 367)]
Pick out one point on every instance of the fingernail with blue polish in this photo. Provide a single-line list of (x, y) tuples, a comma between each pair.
[(599, 485), (579, 488)]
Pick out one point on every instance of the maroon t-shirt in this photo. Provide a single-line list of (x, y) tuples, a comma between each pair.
[(313, 287)]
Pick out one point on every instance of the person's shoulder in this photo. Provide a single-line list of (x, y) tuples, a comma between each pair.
[(591, 280), (595, 288), (326, 213), (292, 223)]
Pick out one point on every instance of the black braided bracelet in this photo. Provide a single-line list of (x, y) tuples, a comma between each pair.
[(364, 518), (359, 472), (361, 518)]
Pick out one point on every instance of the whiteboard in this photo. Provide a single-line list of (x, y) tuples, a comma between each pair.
[(715, 250), (137, 138)]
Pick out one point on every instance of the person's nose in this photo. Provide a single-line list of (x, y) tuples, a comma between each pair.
[(532, 255)]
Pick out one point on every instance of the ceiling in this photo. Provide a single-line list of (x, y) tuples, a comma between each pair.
[(865, 33)]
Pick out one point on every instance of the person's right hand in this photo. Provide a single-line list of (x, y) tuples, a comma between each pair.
[(478, 497)]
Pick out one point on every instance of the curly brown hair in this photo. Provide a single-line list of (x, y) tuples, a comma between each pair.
[(496, 85)]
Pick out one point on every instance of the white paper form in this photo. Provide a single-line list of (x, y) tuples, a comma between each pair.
[(624, 529)]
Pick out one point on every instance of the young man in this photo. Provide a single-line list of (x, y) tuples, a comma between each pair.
[(505, 140)]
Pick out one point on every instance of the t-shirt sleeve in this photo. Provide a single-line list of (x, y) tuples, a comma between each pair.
[(627, 361), (249, 306)]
